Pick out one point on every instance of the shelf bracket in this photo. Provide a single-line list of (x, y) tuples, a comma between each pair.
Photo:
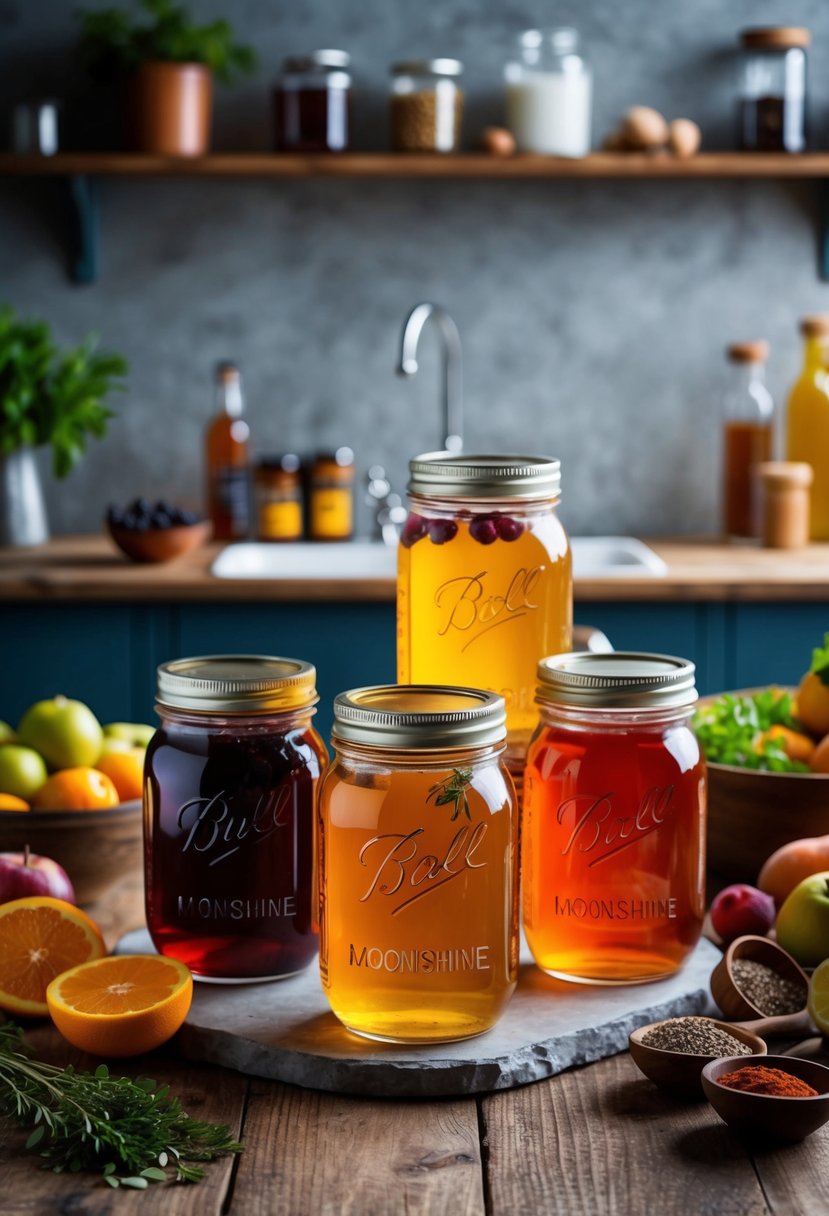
[(84, 214)]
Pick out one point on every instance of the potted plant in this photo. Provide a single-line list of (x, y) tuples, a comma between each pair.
[(50, 397), (167, 64)]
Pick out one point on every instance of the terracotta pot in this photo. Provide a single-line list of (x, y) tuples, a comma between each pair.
[(170, 106)]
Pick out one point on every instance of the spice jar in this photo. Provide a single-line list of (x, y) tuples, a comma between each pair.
[(613, 867), (785, 489), (773, 114), (277, 491), (426, 105), (312, 103), (549, 94), (747, 437), (331, 496), (484, 586), (418, 864), (231, 780)]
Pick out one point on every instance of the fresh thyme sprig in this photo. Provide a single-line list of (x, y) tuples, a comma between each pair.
[(453, 790), (127, 1130)]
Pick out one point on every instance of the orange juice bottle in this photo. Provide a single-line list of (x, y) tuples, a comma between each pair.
[(418, 870), (807, 432)]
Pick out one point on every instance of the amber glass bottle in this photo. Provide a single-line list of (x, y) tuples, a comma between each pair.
[(747, 437), (228, 459)]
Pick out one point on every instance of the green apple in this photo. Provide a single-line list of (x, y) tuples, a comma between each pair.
[(136, 734), (7, 735), (65, 732), (22, 770), (803, 921), (111, 745)]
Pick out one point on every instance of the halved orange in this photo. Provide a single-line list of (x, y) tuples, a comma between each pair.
[(40, 937), (122, 1005)]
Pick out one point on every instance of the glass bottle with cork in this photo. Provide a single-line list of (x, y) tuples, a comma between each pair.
[(807, 422), (748, 437), (228, 458)]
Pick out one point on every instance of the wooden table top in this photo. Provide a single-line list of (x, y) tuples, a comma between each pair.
[(599, 1140), (88, 568)]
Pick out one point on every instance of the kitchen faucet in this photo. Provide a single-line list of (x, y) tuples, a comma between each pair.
[(452, 402)]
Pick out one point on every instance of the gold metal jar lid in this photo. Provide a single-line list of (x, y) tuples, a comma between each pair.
[(237, 684), (448, 475), (419, 717), (620, 680)]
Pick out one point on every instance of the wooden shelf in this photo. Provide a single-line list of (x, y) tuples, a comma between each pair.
[(386, 164)]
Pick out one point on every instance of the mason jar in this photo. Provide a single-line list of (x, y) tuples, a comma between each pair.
[(231, 779), (614, 818), (426, 105), (418, 864), (484, 588), (549, 94)]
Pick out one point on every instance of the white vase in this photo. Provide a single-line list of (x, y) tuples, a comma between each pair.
[(23, 519)]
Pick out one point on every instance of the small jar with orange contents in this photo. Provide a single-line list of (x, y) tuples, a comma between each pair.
[(613, 862), (418, 864)]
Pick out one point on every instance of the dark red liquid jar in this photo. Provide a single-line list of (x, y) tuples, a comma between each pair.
[(230, 793)]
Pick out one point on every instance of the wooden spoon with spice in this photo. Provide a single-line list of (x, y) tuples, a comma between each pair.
[(759, 986)]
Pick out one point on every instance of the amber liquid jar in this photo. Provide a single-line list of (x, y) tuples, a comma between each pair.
[(418, 864), (231, 780), (613, 864)]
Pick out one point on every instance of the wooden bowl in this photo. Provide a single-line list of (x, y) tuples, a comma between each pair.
[(677, 1071), (752, 813), (760, 950), (96, 848), (160, 544), (763, 1116)]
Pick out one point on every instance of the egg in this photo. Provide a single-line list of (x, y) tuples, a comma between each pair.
[(498, 141), (684, 137), (643, 129)]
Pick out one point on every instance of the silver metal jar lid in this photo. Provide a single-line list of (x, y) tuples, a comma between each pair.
[(419, 717), (427, 67), (237, 684), (316, 59), (448, 475), (621, 680)]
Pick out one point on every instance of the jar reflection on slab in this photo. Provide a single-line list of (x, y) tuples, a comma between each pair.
[(418, 865), (613, 834), (231, 781)]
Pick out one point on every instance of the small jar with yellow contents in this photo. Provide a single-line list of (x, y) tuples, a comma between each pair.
[(278, 498), (331, 496)]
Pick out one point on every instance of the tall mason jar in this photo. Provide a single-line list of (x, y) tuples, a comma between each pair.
[(614, 817), (484, 588), (418, 864), (231, 779)]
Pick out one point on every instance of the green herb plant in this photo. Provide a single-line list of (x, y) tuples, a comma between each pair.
[(452, 792), (49, 396), (114, 44), (128, 1131), (820, 661), (729, 727)]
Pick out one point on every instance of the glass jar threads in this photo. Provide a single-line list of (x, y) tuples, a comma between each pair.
[(773, 110), (613, 867), (312, 103), (418, 864), (230, 786), (426, 105), (484, 586), (549, 94)]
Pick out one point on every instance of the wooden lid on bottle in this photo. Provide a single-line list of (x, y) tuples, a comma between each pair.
[(815, 326), (748, 352), (776, 37), (783, 473)]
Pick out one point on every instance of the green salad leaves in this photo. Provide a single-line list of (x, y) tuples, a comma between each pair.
[(730, 731)]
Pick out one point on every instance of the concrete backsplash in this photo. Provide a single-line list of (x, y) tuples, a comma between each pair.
[(593, 314)]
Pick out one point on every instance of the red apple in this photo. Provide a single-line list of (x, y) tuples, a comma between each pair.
[(24, 874), (742, 909)]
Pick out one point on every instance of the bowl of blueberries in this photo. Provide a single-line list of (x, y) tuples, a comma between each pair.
[(155, 532)]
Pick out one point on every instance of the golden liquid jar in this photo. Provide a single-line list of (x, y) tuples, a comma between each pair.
[(614, 815), (484, 588), (418, 864)]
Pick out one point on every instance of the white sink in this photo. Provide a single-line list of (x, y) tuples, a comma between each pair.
[(593, 557)]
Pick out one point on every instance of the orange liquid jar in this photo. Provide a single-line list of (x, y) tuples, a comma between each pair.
[(231, 779), (613, 866), (484, 586), (418, 864)]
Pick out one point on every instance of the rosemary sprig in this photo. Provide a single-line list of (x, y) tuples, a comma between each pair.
[(127, 1130), (453, 790)]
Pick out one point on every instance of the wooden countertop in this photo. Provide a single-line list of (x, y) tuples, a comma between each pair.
[(87, 568)]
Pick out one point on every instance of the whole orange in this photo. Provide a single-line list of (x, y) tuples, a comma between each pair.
[(125, 770), (8, 802), (76, 789), (819, 762), (797, 746), (813, 704)]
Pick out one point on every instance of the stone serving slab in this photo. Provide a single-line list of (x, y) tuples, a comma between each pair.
[(285, 1031)]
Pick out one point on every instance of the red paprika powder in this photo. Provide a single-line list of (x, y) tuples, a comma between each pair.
[(772, 1081)]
